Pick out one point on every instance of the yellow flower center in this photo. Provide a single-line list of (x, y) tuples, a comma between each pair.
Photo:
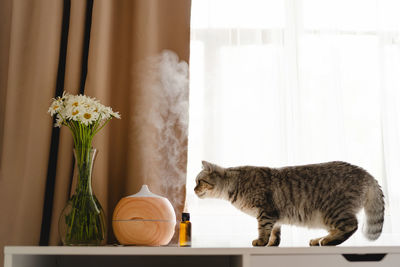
[(87, 116), (55, 107), (75, 104), (75, 112)]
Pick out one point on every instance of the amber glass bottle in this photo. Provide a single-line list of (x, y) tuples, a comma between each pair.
[(185, 231)]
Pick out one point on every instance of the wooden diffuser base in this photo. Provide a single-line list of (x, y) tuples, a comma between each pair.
[(144, 219)]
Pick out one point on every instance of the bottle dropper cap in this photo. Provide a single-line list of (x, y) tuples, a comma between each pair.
[(185, 216)]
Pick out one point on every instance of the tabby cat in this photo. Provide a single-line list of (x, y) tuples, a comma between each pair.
[(326, 195)]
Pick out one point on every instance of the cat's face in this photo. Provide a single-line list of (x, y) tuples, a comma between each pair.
[(208, 181)]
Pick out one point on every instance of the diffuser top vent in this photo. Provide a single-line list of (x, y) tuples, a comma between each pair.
[(145, 192)]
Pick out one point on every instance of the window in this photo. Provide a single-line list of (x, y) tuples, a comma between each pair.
[(276, 83)]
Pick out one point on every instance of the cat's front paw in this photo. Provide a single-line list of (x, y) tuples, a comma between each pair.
[(316, 242), (259, 242)]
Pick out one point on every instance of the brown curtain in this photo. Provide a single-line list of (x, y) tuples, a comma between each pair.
[(104, 49)]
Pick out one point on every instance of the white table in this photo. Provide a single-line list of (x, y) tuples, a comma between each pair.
[(30, 256)]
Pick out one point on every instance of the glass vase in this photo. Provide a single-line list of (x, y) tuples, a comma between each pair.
[(82, 221)]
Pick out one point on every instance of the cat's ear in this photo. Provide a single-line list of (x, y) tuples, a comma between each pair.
[(209, 167)]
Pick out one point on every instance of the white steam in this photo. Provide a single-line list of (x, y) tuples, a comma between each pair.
[(163, 124)]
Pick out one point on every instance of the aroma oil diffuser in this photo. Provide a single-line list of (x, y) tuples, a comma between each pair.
[(144, 219)]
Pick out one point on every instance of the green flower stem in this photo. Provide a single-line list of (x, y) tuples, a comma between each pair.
[(105, 123), (84, 222)]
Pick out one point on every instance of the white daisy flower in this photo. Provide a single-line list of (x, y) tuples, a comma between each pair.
[(97, 107), (74, 113), (55, 107), (88, 117), (73, 102), (107, 113), (116, 114), (59, 121), (92, 106)]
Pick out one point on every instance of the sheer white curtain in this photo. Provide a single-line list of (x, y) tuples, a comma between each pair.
[(289, 82)]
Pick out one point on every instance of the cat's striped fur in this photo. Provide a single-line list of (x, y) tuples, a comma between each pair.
[(326, 195)]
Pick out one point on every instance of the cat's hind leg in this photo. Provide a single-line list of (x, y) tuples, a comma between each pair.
[(275, 237), (341, 230)]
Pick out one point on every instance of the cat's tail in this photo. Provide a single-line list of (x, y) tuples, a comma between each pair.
[(374, 208)]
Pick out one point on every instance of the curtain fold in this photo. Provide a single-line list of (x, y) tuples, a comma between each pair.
[(28, 78), (124, 35)]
